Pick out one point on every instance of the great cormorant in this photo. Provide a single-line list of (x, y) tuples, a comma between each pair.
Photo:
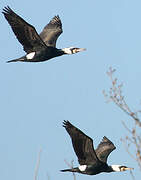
[(91, 161), (38, 47)]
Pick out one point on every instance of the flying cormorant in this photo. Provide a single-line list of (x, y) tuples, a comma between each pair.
[(91, 161), (38, 47)]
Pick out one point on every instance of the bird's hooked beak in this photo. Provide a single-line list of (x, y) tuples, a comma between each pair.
[(76, 50), (126, 168)]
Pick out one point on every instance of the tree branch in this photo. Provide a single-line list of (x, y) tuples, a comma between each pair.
[(37, 165), (70, 165)]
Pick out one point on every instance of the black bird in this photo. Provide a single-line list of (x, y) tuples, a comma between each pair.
[(91, 161), (38, 47)]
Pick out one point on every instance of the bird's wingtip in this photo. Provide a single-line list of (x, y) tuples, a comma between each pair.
[(7, 10), (65, 123)]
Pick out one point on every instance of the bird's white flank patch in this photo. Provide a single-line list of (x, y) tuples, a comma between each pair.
[(30, 55), (116, 168), (82, 167)]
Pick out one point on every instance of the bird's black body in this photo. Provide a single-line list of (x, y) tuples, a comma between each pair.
[(91, 161), (42, 55), (91, 169), (43, 46), (47, 53)]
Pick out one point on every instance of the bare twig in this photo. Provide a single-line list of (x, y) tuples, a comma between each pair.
[(37, 165), (134, 139), (133, 177), (115, 95), (127, 149), (70, 165), (48, 177)]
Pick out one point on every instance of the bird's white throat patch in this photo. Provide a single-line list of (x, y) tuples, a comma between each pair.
[(30, 55), (82, 167), (67, 50), (116, 168)]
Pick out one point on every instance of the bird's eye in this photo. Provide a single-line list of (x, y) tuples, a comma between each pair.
[(122, 169), (73, 50)]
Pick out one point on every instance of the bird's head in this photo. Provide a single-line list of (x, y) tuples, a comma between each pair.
[(119, 168), (72, 50)]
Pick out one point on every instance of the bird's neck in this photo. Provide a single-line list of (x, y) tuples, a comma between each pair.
[(67, 50), (60, 52), (114, 168), (109, 169)]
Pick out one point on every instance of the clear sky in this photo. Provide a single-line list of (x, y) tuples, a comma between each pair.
[(36, 97)]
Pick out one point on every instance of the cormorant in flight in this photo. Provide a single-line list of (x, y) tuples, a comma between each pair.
[(38, 47), (91, 161)]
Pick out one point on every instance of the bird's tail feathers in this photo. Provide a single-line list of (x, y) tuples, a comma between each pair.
[(70, 170), (15, 60)]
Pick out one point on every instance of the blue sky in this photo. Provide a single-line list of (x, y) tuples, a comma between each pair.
[(36, 97)]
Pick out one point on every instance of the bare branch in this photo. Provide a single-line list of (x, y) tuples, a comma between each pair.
[(132, 143), (133, 177), (37, 165), (127, 149), (115, 95), (70, 165)]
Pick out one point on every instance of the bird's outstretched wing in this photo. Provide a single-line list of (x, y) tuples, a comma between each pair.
[(104, 149), (82, 144), (25, 33), (52, 31)]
